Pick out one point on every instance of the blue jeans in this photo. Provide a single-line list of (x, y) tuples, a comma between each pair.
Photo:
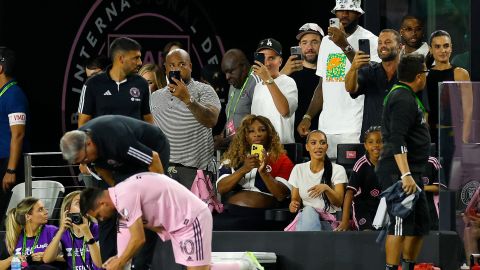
[(309, 220)]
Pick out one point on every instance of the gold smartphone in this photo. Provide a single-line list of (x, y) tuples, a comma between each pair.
[(258, 150)]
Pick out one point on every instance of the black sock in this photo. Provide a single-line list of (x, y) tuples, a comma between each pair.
[(391, 267), (408, 265)]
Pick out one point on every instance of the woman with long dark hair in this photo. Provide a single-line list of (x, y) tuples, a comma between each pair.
[(318, 185)]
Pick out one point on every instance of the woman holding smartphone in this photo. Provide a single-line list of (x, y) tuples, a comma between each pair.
[(318, 186), (28, 235), (252, 183), (78, 237)]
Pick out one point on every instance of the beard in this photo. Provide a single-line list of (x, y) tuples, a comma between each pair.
[(349, 29), (389, 57), (311, 59)]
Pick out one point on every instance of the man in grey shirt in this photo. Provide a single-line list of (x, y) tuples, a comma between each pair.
[(242, 82)]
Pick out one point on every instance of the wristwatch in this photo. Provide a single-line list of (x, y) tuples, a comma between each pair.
[(269, 81), (348, 49), (11, 171), (91, 241), (306, 116)]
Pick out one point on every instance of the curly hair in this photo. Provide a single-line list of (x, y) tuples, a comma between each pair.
[(239, 146)]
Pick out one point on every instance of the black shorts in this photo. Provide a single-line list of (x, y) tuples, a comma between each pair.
[(364, 218), (418, 222), (415, 224)]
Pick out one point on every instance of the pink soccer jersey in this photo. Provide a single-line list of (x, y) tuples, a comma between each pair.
[(158, 199)]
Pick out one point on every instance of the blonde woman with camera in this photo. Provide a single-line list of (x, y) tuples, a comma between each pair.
[(28, 235), (78, 237)]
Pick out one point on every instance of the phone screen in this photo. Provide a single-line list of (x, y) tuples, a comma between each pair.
[(260, 57), (364, 46)]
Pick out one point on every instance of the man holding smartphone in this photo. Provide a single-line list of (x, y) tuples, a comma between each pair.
[(186, 111), (373, 80), (341, 116), (276, 98), (303, 69)]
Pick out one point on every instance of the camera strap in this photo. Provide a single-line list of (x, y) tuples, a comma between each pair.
[(398, 86), (82, 252), (35, 242)]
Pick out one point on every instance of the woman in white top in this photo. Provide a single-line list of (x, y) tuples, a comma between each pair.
[(318, 185)]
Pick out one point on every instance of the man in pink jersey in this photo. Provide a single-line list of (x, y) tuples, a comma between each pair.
[(158, 203)]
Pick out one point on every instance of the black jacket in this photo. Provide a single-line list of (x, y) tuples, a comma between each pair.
[(405, 129)]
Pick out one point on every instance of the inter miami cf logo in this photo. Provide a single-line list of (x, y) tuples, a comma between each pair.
[(153, 24)]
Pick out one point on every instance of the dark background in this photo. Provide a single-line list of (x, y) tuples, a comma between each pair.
[(42, 32)]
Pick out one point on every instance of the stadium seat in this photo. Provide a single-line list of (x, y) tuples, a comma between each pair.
[(50, 192), (294, 152), (348, 154)]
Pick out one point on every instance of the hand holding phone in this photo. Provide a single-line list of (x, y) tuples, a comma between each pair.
[(260, 57), (296, 50), (364, 46), (257, 149), (174, 74)]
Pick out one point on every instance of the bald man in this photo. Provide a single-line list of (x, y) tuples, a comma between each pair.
[(186, 110), (237, 72)]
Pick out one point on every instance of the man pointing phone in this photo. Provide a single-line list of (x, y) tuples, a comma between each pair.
[(334, 61)]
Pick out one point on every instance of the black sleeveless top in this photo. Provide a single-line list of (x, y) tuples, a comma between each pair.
[(439, 100)]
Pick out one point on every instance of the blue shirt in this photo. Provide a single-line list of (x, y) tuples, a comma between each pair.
[(12, 101)]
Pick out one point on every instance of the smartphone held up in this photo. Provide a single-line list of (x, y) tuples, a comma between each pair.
[(364, 46), (260, 57), (334, 22), (257, 149), (174, 74), (296, 50)]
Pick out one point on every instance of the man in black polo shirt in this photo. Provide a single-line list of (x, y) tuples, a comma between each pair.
[(405, 156), (373, 79), (118, 90), (121, 146)]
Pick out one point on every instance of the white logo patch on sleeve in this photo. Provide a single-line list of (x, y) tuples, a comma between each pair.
[(18, 118)]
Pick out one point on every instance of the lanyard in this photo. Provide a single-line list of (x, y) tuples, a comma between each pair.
[(35, 242), (239, 96), (82, 253), (397, 86), (7, 87)]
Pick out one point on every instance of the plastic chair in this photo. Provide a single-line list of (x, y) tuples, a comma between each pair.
[(348, 154), (50, 192)]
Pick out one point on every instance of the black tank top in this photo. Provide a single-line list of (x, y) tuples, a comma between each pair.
[(433, 78)]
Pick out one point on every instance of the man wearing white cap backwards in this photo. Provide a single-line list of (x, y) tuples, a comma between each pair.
[(341, 116), (302, 69)]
